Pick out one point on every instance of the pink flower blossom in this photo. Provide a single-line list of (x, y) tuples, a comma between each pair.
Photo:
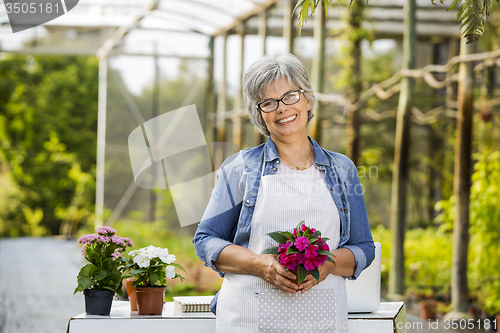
[(301, 242), (312, 231), (303, 228), (309, 264), (106, 231), (284, 247), (311, 251), (128, 242), (284, 258)]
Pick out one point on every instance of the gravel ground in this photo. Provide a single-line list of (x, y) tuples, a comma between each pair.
[(37, 279)]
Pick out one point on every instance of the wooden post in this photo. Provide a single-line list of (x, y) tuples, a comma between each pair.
[(318, 67), (402, 145), (259, 137), (288, 26), (221, 96), (461, 184), (238, 99), (353, 116), (209, 102), (263, 29)]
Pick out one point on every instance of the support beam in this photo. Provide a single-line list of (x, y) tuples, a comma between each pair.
[(461, 184), (288, 27), (209, 97), (401, 153), (263, 30), (318, 68), (238, 99), (101, 141), (221, 96), (355, 19), (124, 30)]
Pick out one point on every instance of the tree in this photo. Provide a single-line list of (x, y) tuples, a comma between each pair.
[(48, 117)]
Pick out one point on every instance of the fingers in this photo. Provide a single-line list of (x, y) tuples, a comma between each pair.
[(286, 273), (307, 284)]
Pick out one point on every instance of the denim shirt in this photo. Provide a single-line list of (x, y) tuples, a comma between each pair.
[(228, 216)]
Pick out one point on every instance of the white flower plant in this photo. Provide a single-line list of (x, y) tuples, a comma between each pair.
[(151, 266)]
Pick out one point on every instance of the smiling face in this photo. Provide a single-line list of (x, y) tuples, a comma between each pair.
[(286, 120)]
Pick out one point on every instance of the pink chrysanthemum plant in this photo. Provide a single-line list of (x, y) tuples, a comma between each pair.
[(301, 251), (151, 267), (103, 251)]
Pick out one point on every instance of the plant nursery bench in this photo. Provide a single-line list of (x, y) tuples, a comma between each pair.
[(390, 318)]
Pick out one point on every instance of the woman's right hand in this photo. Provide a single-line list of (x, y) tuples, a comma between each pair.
[(271, 270)]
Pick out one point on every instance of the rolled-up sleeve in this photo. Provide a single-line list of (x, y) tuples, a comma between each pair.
[(219, 222), (360, 240)]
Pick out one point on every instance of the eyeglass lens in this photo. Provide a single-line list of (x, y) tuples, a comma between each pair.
[(289, 99)]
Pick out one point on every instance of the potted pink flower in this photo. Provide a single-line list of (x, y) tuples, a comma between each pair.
[(101, 278), (301, 251)]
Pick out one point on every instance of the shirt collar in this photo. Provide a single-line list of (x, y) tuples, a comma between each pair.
[(271, 154)]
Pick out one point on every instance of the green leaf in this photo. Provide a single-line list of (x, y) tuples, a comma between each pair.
[(179, 267), (324, 252), (299, 225), (292, 250), (315, 273), (289, 235), (302, 273), (153, 278), (277, 236), (317, 234), (99, 275), (134, 272), (84, 279), (330, 260), (271, 250)]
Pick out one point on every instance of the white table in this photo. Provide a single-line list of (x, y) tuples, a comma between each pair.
[(391, 318)]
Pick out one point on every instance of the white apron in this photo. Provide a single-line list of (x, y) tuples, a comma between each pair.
[(249, 304)]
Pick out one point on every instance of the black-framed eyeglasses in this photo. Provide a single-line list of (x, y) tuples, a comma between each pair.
[(271, 104)]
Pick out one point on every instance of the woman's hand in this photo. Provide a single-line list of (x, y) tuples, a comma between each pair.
[(310, 281), (272, 271)]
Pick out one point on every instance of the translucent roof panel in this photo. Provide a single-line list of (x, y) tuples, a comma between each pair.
[(189, 15)]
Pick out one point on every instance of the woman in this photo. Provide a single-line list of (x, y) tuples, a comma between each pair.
[(272, 187)]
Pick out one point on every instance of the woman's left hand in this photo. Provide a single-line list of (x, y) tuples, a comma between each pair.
[(310, 281)]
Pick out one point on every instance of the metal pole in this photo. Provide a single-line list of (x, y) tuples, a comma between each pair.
[(154, 113), (101, 140)]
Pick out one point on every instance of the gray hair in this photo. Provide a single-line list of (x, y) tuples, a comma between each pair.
[(269, 70)]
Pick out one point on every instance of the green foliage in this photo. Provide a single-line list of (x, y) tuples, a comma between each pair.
[(428, 255), (305, 6), (471, 14), (484, 246), (48, 117)]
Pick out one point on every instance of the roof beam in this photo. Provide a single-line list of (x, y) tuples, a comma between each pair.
[(123, 30), (252, 12)]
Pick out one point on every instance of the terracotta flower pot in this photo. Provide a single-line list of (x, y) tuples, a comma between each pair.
[(497, 317), (150, 299), (428, 309), (132, 296), (98, 302)]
